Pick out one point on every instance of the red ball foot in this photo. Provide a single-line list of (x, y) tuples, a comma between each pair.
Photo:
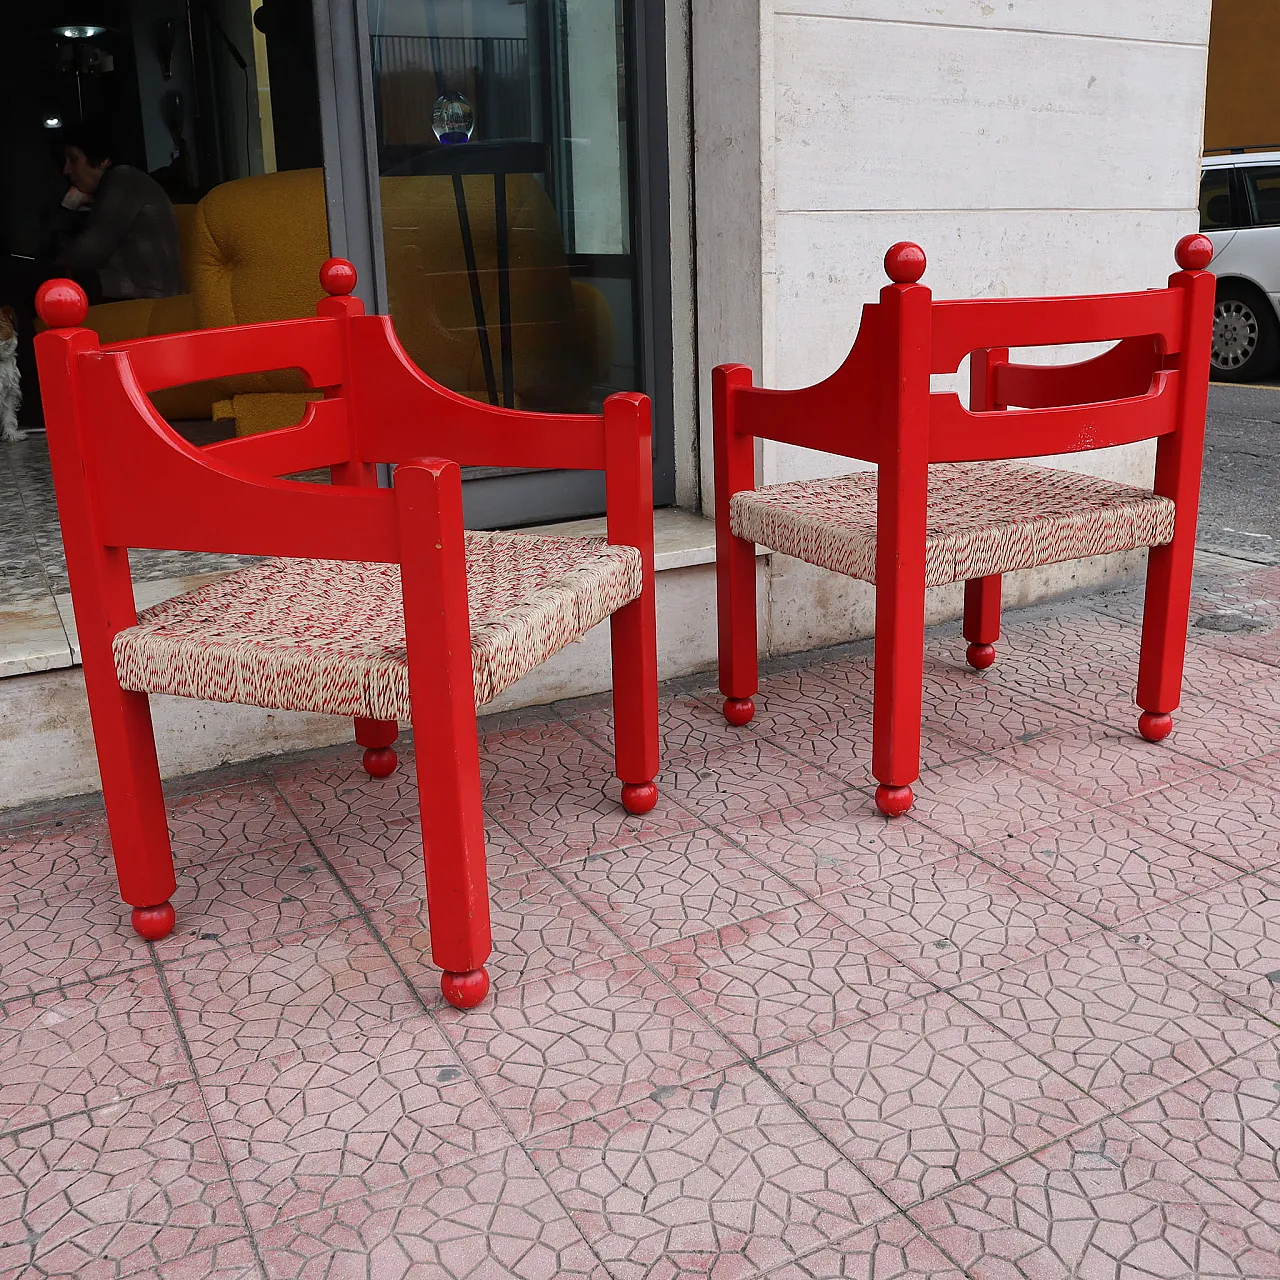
[(639, 797), (380, 762), (980, 656), (465, 990), (893, 802), (1155, 726), (153, 923), (739, 710)]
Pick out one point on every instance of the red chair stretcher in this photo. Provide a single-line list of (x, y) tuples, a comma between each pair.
[(947, 501), (375, 604)]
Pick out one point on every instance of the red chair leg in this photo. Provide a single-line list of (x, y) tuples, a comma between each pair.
[(899, 674), (736, 606), (135, 803), (1164, 639), (982, 620), (735, 471), (446, 746), (633, 635), (377, 738), (453, 848)]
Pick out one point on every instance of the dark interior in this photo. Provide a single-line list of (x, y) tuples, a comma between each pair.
[(173, 78)]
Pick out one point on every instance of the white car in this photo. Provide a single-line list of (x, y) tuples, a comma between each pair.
[(1240, 213)]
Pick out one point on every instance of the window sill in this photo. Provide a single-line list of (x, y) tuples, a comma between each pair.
[(680, 538)]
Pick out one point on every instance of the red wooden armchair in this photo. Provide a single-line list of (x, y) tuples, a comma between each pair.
[(377, 605), (947, 503)]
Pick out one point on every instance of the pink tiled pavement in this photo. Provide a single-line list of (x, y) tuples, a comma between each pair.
[(1103, 764), (1107, 868), (334, 1121), (928, 1095), (957, 919), (892, 1249), (986, 797), (492, 1216), (585, 818), (1030, 1030), (1233, 815), (1102, 1204), (1228, 937), (719, 1177), (751, 776), (689, 721), (1225, 1126), (383, 865), (120, 1190), (673, 888), (86, 1045), (537, 754), (557, 1049), (270, 998), (786, 976), (825, 718), (1115, 1019), (837, 842), (539, 929)]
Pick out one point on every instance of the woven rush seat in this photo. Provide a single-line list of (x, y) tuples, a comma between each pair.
[(329, 635), (984, 518)]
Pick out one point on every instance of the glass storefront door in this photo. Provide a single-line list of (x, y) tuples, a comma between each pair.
[(505, 149)]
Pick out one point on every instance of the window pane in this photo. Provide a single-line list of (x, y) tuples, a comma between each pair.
[(1264, 196), (503, 146), (1215, 200)]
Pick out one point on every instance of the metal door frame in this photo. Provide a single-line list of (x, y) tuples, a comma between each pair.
[(353, 199)]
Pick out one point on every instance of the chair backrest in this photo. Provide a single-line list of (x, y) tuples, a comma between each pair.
[(124, 478), (1153, 382)]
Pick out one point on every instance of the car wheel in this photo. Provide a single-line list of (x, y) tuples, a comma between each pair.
[(1246, 337)]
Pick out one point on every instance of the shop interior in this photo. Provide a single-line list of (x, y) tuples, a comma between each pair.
[(505, 168)]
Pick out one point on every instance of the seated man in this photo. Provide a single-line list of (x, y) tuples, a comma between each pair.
[(127, 246)]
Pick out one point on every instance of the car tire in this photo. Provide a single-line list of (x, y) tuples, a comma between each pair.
[(1246, 335)]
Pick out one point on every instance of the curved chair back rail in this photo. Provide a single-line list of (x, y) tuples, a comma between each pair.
[(1131, 392), (156, 490)]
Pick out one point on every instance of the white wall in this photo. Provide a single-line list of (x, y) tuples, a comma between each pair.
[(1030, 146)]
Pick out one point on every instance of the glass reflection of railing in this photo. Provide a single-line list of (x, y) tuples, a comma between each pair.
[(410, 72)]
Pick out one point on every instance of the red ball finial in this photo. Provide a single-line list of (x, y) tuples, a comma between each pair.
[(1194, 252), (905, 263), (61, 304), (337, 277)]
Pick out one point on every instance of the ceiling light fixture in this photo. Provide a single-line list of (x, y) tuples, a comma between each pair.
[(53, 122), (86, 32)]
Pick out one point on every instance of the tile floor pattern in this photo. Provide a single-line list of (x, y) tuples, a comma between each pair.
[(1032, 1030)]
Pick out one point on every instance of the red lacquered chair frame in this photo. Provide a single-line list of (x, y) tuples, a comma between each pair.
[(125, 479), (878, 407)]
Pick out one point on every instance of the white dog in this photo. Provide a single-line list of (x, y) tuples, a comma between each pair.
[(10, 377)]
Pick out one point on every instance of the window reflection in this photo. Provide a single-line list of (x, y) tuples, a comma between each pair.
[(504, 153)]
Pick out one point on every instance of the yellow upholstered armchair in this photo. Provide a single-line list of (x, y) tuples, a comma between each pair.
[(252, 251)]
